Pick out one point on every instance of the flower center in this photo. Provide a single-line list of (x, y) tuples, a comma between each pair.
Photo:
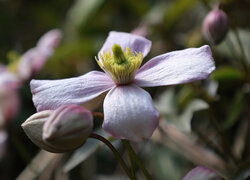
[(120, 65)]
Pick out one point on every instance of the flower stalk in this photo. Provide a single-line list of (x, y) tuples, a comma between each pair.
[(134, 156), (116, 153), (243, 58), (131, 159)]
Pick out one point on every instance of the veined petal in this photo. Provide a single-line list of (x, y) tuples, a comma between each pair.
[(51, 94), (134, 42), (176, 67), (129, 113)]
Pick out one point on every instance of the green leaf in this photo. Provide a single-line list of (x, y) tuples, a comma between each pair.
[(184, 96), (186, 117), (166, 103), (227, 74), (183, 121), (235, 110), (230, 48), (79, 14), (243, 172), (176, 10), (167, 163)]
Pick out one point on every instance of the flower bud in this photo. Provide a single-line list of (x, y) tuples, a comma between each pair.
[(33, 127), (61, 130), (215, 26)]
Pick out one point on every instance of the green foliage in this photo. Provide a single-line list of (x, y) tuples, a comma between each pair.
[(208, 113)]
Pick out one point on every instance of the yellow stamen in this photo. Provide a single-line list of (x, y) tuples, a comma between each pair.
[(121, 66)]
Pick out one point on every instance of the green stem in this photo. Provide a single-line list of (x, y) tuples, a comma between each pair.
[(223, 138), (116, 153), (133, 167), (210, 144), (243, 58), (137, 160)]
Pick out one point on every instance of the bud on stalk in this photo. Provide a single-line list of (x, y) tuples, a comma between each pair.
[(215, 26), (60, 130)]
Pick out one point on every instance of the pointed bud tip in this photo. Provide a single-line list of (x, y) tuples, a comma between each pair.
[(61, 130)]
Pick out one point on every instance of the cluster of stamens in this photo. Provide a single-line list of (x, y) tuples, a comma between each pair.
[(120, 65)]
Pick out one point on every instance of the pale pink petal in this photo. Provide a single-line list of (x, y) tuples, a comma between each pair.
[(129, 113), (202, 173), (51, 94), (30, 63), (134, 42), (9, 105), (176, 67), (8, 79), (49, 41)]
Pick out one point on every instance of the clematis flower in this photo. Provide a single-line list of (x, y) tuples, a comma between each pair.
[(129, 112)]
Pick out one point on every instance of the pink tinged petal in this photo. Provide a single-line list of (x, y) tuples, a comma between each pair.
[(129, 113), (134, 42), (202, 173), (31, 62), (9, 105), (51, 94), (49, 41), (176, 67), (8, 79)]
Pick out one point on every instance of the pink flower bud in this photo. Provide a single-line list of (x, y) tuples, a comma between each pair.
[(61, 130), (215, 26), (68, 127)]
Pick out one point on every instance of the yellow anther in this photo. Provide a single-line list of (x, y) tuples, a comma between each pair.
[(121, 66)]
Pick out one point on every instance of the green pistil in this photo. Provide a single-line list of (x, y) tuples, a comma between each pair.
[(118, 54), (120, 65)]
